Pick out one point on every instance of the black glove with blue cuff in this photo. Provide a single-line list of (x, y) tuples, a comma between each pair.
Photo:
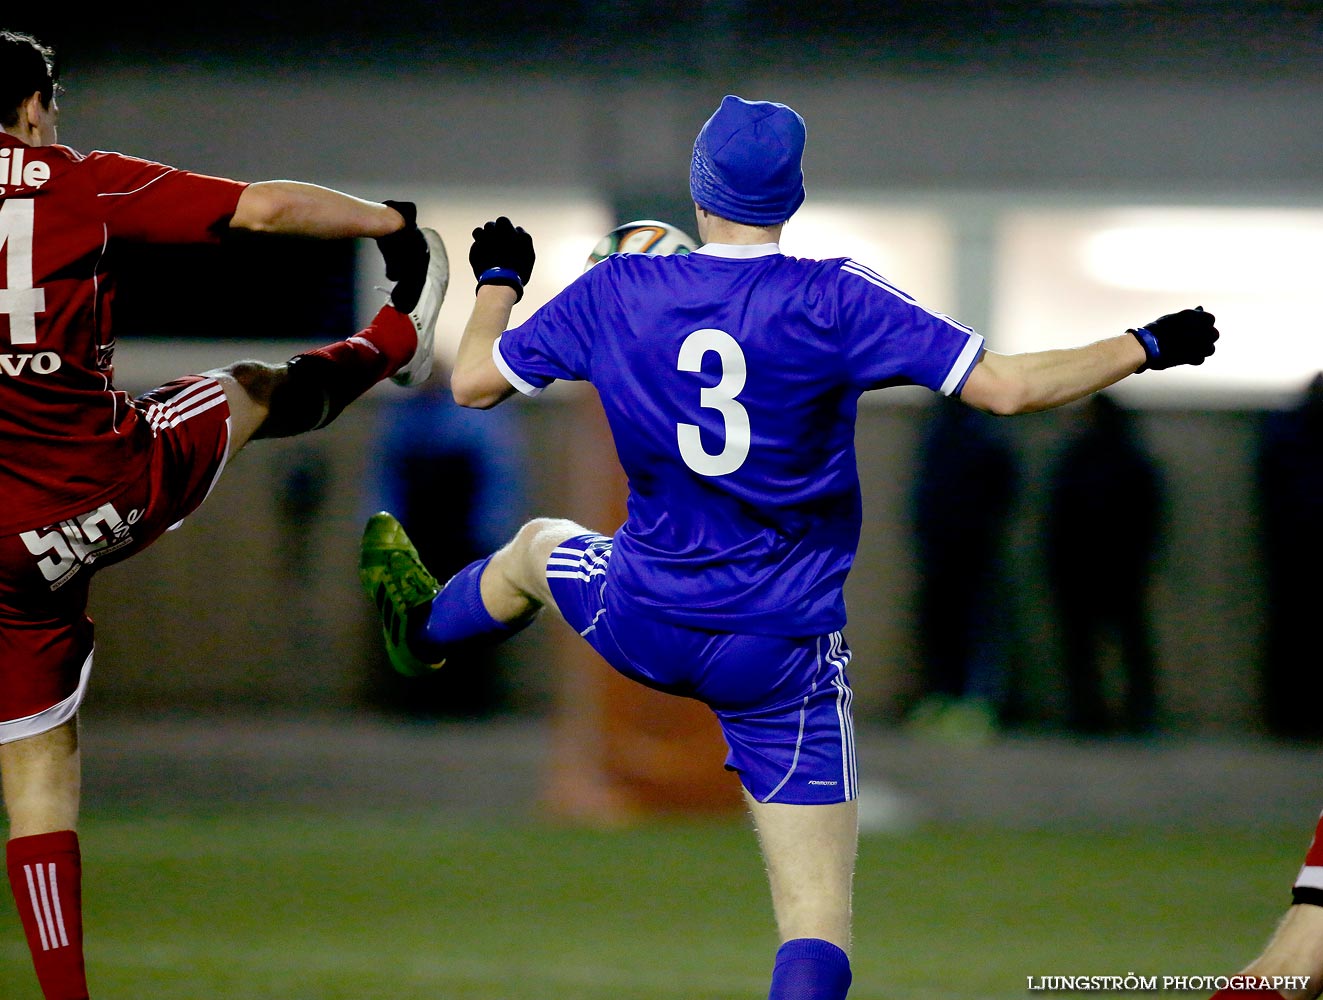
[(1183, 338), (502, 254)]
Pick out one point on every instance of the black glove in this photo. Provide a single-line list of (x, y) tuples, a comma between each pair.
[(1183, 338), (406, 255), (502, 254)]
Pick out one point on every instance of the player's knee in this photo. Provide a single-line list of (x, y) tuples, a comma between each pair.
[(257, 378), (523, 561), (542, 534)]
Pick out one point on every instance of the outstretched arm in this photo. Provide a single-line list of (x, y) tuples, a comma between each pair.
[(1007, 384), (502, 260), (475, 380), (1025, 383), (295, 208)]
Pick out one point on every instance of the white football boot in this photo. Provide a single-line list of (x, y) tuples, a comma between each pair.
[(424, 313)]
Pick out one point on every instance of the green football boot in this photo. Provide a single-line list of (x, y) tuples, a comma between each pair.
[(396, 582)]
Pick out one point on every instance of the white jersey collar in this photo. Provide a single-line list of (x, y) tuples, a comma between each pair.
[(738, 250)]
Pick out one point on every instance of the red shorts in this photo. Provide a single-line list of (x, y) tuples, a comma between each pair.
[(45, 634)]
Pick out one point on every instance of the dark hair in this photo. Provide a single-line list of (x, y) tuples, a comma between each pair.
[(26, 67)]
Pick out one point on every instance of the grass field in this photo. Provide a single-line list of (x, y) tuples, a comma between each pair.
[(303, 905)]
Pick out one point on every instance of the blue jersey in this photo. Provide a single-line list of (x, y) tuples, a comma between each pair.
[(731, 378)]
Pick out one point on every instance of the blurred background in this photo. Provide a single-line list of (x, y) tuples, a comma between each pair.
[(1094, 616), (1049, 173)]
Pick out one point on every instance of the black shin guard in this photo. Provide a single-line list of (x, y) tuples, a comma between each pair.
[(313, 392)]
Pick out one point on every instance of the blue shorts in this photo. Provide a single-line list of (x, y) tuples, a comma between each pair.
[(783, 703)]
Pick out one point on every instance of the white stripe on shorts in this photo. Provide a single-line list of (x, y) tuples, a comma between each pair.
[(799, 738), (839, 656), (596, 618), (1311, 877), (50, 718), (578, 564), (203, 386), (799, 742), (197, 398)]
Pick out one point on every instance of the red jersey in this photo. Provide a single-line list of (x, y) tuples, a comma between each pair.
[(68, 438)]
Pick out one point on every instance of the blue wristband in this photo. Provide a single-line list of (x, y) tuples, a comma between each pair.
[(502, 276), (1150, 345)]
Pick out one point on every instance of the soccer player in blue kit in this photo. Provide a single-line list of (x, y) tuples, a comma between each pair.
[(730, 378)]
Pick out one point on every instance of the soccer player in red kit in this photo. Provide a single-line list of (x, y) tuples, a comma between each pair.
[(91, 476)]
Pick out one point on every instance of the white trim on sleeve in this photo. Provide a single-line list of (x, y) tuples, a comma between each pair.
[(527, 388), (962, 364)]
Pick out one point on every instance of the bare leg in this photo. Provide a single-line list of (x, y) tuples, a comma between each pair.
[(810, 854), (1296, 949), (42, 781)]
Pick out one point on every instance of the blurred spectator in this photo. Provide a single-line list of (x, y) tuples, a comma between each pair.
[(456, 479), (1105, 517), (1290, 470), (966, 480)]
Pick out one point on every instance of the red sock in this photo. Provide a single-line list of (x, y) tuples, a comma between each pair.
[(46, 875), (374, 353)]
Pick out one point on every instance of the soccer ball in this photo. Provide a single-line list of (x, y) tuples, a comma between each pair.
[(642, 236)]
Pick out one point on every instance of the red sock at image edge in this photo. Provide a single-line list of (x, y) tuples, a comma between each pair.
[(45, 875)]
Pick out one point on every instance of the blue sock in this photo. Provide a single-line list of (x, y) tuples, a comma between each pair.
[(810, 969), (456, 619)]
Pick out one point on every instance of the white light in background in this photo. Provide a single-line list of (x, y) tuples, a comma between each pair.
[(565, 226), (1067, 277), (1246, 253), (910, 247)]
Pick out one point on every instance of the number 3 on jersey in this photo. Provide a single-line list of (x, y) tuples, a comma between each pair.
[(720, 397), (18, 299)]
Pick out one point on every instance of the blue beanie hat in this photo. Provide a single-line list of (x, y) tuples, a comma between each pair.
[(746, 164)]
